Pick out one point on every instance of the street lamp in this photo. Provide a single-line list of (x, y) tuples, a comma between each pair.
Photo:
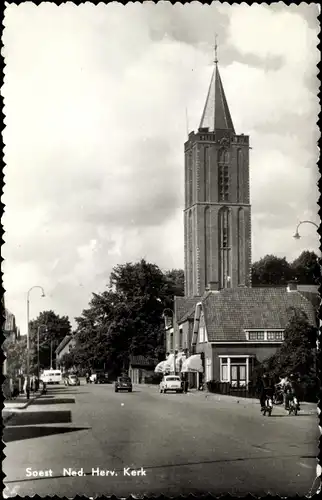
[(174, 334), (28, 337), (297, 235)]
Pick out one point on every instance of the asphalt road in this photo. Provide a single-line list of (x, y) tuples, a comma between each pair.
[(179, 444)]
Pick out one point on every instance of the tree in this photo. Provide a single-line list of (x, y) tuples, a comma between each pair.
[(297, 354), (306, 268), (126, 319), (16, 355), (271, 270), (52, 329)]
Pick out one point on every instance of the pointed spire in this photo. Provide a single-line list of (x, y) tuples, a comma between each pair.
[(216, 115), (216, 46)]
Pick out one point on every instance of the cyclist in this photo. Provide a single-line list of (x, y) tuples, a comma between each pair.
[(266, 390)]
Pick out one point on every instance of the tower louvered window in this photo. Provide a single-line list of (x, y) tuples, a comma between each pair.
[(223, 175), (225, 248)]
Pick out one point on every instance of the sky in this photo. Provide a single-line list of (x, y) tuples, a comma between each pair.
[(98, 102)]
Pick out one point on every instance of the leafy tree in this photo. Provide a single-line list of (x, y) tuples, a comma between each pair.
[(306, 268), (16, 355), (52, 329), (126, 318), (271, 270), (297, 354)]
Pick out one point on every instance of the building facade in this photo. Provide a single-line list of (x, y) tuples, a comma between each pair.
[(66, 345), (217, 214)]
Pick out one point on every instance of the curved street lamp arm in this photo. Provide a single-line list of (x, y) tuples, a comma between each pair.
[(36, 286), (306, 222)]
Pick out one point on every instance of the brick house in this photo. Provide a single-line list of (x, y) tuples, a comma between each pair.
[(233, 329)]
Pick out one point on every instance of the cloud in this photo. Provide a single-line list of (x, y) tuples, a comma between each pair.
[(95, 100)]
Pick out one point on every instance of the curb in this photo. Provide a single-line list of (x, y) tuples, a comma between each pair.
[(12, 411), (310, 410)]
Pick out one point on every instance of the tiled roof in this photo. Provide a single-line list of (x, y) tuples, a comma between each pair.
[(230, 311), (143, 361), (185, 306), (313, 297), (63, 343), (216, 115)]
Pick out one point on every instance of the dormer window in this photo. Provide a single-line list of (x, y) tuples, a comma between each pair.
[(264, 335)]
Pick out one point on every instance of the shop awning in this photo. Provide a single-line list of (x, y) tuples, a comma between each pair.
[(192, 364), (168, 364), (160, 368)]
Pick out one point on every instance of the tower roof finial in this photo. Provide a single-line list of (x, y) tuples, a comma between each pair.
[(216, 46)]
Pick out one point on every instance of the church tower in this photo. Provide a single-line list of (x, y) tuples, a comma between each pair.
[(217, 215)]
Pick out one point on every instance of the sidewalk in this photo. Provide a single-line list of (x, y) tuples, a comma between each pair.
[(306, 408), (17, 404)]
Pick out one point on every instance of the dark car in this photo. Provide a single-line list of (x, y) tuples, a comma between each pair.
[(101, 378), (123, 384)]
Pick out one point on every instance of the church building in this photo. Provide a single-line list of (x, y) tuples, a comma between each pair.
[(222, 325)]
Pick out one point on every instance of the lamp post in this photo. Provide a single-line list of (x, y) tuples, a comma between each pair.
[(28, 337), (174, 335), (297, 235)]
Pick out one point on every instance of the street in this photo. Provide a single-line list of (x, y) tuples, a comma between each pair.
[(175, 443)]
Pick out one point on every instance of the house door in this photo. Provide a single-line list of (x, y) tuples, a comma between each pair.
[(238, 375)]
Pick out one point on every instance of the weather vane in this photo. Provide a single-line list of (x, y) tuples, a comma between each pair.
[(216, 46)]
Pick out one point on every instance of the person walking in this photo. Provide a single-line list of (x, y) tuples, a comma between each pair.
[(266, 389)]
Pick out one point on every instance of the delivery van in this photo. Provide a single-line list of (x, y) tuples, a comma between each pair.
[(51, 376)]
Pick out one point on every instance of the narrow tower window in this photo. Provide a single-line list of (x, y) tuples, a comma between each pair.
[(190, 179), (207, 233), (206, 175), (239, 175), (225, 248), (241, 246), (223, 175)]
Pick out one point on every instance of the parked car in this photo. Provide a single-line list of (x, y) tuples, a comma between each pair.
[(101, 378), (123, 384), (71, 380), (171, 383)]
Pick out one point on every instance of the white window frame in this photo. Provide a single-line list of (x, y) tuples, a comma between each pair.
[(229, 358), (208, 369), (261, 330)]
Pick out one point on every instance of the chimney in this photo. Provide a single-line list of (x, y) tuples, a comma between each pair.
[(292, 286), (213, 286)]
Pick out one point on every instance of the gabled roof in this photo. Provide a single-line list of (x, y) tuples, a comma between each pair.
[(143, 361), (184, 306), (216, 114), (230, 311), (63, 343)]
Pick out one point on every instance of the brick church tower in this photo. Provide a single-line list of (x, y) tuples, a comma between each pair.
[(217, 215)]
